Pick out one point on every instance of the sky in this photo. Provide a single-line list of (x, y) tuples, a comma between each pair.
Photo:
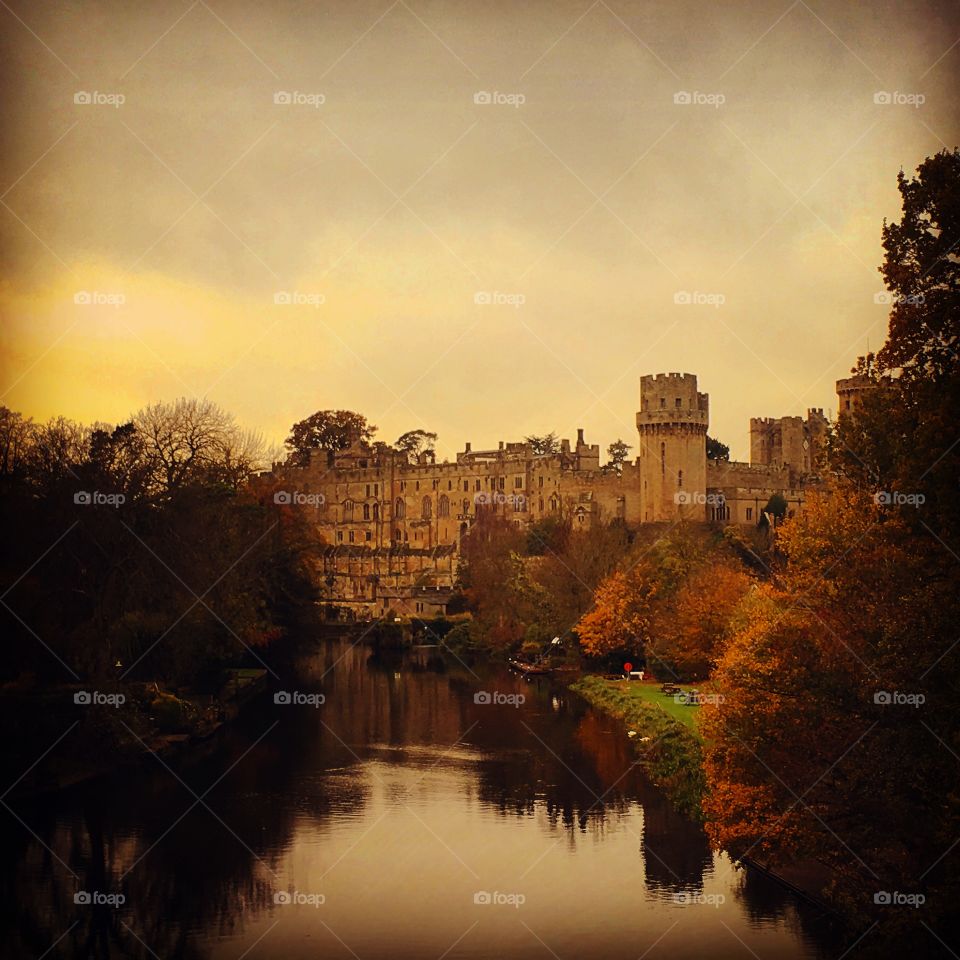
[(481, 219)]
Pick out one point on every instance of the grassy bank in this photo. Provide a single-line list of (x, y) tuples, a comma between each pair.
[(673, 753)]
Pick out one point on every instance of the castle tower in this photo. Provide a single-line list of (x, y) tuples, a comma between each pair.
[(672, 423)]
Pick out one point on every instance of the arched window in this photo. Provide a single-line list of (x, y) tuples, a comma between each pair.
[(376, 511), (366, 511), (443, 507), (348, 511), (426, 509), (399, 509)]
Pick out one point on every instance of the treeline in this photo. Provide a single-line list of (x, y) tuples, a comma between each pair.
[(141, 551)]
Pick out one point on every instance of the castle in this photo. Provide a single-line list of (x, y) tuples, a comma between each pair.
[(392, 523)]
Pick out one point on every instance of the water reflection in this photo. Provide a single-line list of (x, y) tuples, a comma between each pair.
[(397, 803)]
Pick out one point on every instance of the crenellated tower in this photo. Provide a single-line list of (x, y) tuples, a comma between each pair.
[(672, 423)]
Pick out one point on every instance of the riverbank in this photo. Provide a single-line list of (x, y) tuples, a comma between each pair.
[(668, 743), (105, 730)]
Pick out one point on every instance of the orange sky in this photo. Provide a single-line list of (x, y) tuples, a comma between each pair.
[(582, 202)]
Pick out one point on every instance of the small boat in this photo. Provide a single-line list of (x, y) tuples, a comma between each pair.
[(529, 669)]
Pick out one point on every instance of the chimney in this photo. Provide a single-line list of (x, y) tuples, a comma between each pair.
[(579, 436), (467, 448), (501, 444)]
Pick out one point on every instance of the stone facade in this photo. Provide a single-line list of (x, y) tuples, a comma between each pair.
[(392, 524)]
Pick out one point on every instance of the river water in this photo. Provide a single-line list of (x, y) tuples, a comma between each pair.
[(399, 818)]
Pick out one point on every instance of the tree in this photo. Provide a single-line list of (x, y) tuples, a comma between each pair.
[(691, 631), (776, 507), (545, 445), (922, 271), (193, 440), (617, 456), (415, 442), (717, 450), (326, 430), (621, 614)]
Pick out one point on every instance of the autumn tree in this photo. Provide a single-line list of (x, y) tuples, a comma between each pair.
[(621, 615), (326, 430)]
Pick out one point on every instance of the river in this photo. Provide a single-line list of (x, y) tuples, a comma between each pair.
[(401, 817)]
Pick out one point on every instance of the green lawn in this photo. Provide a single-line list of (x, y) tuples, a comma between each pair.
[(650, 692)]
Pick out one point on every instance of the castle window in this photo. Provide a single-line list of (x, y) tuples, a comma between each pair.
[(663, 458), (663, 402), (466, 507), (347, 511), (540, 483), (541, 505), (351, 536), (679, 403), (517, 482), (376, 511), (369, 536), (397, 535), (416, 485), (466, 485), (376, 492), (449, 484), (339, 536), (400, 509), (368, 489), (749, 513), (426, 509), (502, 482), (477, 483), (435, 484), (443, 507)]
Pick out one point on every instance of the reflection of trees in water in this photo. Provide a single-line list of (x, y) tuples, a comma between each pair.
[(120, 837)]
